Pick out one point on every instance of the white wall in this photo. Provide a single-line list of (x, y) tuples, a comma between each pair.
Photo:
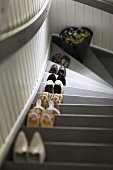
[(21, 73), (18, 12), (66, 13)]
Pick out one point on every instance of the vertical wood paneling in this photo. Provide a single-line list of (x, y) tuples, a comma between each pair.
[(62, 20), (88, 18), (54, 12), (79, 14), (4, 125), (111, 30), (76, 14), (106, 30), (20, 12), (19, 74), (71, 17), (97, 27)]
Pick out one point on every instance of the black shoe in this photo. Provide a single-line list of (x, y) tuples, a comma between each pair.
[(62, 79), (53, 69), (62, 71), (52, 77)]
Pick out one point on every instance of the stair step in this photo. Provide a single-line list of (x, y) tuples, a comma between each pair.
[(71, 75), (86, 109), (82, 99), (72, 134), (86, 92), (86, 100), (55, 166), (73, 84), (76, 152), (81, 91), (98, 153), (102, 121), (97, 73)]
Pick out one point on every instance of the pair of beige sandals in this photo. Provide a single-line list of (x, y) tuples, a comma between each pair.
[(43, 114), (46, 96)]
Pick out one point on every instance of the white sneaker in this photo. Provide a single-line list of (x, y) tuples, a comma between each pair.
[(58, 87), (49, 87)]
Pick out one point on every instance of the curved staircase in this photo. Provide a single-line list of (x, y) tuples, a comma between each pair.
[(82, 138)]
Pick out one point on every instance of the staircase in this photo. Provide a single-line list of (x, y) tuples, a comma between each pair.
[(82, 138)]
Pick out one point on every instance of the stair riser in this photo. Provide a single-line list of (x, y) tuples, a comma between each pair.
[(86, 100), (77, 153), (84, 121), (81, 154), (86, 92), (77, 135), (85, 109), (53, 166)]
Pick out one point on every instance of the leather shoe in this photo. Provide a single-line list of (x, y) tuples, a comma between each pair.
[(52, 77), (53, 69), (62, 71), (62, 79)]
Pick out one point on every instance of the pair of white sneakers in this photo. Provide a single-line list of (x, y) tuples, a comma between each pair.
[(33, 152), (52, 87)]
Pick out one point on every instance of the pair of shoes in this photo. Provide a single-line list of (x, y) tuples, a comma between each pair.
[(46, 97), (61, 74), (52, 87), (34, 152), (62, 60), (40, 116), (54, 70)]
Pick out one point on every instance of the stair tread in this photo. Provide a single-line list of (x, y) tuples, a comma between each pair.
[(80, 68), (76, 99), (74, 76), (80, 85), (57, 166)]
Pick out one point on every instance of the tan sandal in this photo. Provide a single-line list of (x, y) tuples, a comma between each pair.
[(57, 99), (33, 119), (38, 109), (52, 111), (46, 120), (44, 97), (52, 108)]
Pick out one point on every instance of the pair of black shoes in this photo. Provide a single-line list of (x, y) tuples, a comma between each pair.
[(61, 71), (61, 74)]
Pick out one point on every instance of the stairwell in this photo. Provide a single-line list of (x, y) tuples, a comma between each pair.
[(82, 137)]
